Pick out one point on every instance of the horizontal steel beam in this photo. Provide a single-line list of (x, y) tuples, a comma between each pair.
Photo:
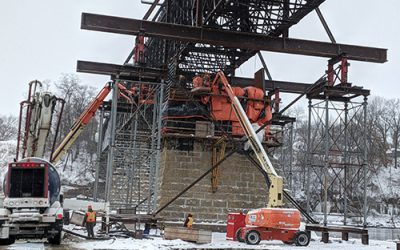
[(134, 72), (230, 39), (284, 87)]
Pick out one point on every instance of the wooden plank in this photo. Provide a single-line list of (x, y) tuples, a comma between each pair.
[(192, 235)]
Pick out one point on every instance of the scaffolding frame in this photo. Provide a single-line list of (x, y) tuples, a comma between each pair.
[(336, 161), (132, 143)]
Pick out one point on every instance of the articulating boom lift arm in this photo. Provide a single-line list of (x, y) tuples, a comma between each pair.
[(84, 119), (80, 124), (276, 182)]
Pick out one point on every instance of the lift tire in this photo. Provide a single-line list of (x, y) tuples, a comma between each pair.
[(302, 239), (238, 235), (253, 237)]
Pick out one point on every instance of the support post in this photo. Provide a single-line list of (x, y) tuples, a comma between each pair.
[(291, 157), (326, 164), (308, 164), (325, 237), (365, 210), (110, 158), (346, 161), (153, 153), (199, 13), (158, 152), (283, 158), (345, 236), (99, 150)]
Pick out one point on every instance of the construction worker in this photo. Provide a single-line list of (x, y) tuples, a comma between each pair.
[(189, 221), (90, 221)]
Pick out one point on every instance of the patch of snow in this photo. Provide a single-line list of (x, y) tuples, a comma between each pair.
[(219, 242)]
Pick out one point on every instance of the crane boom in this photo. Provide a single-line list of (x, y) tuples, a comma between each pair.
[(276, 186), (80, 123)]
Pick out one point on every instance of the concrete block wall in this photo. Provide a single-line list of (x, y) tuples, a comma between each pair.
[(241, 186)]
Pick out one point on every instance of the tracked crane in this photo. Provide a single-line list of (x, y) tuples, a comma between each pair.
[(273, 222)]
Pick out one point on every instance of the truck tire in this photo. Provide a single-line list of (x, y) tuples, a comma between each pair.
[(6, 242), (302, 239), (56, 239), (253, 237), (238, 235)]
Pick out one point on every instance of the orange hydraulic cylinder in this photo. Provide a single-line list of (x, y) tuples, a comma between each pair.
[(279, 218)]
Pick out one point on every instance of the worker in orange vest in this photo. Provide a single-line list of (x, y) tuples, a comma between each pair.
[(189, 221), (90, 221)]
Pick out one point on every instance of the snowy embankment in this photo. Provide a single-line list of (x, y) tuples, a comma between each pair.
[(219, 242)]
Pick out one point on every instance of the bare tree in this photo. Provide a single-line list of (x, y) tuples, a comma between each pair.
[(393, 120), (77, 97), (8, 128)]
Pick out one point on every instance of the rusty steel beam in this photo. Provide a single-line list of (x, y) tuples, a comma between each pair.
[(284, 87), (128, 72), (230, 39), (134, 72)]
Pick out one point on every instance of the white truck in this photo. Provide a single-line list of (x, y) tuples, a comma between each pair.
[(32, 207)]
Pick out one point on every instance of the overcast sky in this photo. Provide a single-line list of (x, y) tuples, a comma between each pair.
[(42, 39)]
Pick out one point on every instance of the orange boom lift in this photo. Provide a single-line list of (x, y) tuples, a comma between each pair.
[(273, 222)]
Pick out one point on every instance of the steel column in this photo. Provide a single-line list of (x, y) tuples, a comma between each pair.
[(110, 159), (99, 150), (346, 160), (291, 157), (308, 160), (158, 152), (283, 158), (326, 165), (153, 155), (365, 160)]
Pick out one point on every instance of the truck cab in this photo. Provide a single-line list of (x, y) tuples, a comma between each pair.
[(32, 206)]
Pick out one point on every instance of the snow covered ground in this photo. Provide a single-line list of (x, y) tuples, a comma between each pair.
[(219, 242)]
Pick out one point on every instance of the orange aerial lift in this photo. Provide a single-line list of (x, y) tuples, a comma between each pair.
[(273, 222)]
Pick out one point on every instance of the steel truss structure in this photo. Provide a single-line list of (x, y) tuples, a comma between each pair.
[(189, 37), (271, 18)]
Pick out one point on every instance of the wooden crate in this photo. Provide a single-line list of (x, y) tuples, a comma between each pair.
[(192, 235)]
